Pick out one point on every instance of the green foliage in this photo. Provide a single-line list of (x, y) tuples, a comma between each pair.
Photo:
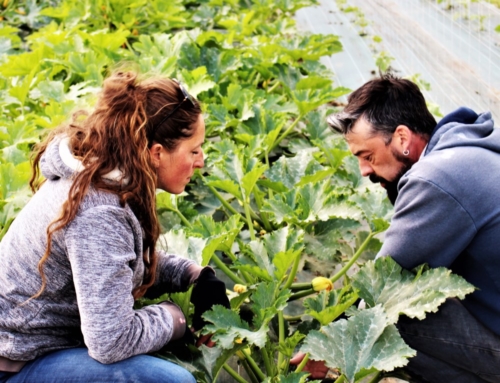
[(277, 187), (400, 291), (366, 341)]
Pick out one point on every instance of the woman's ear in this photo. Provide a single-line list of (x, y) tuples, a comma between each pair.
[(155, 152)]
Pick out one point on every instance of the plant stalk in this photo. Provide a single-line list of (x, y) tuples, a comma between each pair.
[(281, 334), (354, 258), (226, 270), (183, 218), (300, 286), (233, 373), (290, 318), (267, 362), (253, 364), (286, 132), (222, 200), (341, 379), (293, 273), (249, 220), (301, 294), (302, 364)]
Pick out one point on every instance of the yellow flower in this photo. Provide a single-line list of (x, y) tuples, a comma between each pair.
[(322, 283), (239, 288)]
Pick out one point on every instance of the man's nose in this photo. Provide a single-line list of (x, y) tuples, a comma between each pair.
[(365, 168)]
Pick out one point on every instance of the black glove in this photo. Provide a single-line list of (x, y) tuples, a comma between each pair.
[(208, 291)]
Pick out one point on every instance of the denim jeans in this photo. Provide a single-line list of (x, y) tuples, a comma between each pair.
[(76, 366), (452, 347)]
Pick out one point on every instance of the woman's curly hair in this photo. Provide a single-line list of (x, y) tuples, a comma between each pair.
[(117, 134)]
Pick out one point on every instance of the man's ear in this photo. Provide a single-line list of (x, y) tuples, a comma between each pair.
[(155, 152), (402, 137)]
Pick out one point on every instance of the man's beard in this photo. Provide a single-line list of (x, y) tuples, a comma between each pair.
[(392, 186)]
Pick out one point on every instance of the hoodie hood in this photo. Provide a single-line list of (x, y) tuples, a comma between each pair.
[(58, 162), (52, 165), (464, 127)]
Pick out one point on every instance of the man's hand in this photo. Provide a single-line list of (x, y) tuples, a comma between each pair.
[(318, 370)]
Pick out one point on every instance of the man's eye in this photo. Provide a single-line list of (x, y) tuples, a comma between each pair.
[(195, 152)]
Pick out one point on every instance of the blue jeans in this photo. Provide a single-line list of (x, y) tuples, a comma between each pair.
[(76, 366), (452, 346)]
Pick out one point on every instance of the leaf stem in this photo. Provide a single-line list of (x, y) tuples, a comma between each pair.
[(341, 379), (267, 362), (302, 364), (281, 335), (293, 273), (246, 205), (290, 318), (222, 200), (286, 132), (226, 270), (233, 373), (253, 364), (183, 218), (300, 286), (301, 294), (354, 257), (187, 300), (258, 201), (275, 85)]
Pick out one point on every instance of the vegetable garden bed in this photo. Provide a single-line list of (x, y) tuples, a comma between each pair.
[(278, 193)]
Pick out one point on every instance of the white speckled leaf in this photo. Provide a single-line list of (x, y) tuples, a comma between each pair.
[(402, 292), (364, 341)]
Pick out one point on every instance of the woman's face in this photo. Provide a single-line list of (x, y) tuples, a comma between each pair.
[(176, 167)]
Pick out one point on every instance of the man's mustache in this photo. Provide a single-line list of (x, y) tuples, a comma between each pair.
[(376, 179)]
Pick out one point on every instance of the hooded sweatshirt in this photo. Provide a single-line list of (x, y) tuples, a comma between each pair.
[(95, 263), (448, 210)]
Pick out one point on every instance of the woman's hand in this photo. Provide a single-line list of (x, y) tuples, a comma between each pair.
[(206, 340), (207, 292)]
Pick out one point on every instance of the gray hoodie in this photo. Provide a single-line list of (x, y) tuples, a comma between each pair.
[(448, 209), (95, 263)]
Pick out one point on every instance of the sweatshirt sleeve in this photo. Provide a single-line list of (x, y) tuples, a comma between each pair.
[(173, 272), (429, 226), (101, 248)]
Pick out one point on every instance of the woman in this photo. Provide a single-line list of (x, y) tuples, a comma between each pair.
[(83, 248)]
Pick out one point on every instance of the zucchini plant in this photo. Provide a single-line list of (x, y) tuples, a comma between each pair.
[(280, 208)]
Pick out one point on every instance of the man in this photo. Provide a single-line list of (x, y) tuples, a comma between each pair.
[(444, 182)]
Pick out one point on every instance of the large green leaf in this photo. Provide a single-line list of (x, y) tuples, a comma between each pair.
[(310, 202), (384, 282), (364, 341), (227, 327)]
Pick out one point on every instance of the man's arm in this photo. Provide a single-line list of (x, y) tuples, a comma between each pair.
[(429, 226)]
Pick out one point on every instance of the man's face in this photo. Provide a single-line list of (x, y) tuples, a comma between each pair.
[(379, 161)]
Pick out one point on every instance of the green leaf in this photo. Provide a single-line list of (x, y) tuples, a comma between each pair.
[(364, 341), (267, 301), (334, 237), (384, 282), (328, 306), (311, 202), (227, 327), (188, 247)]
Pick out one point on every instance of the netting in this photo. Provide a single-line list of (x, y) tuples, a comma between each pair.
[(449, 47)]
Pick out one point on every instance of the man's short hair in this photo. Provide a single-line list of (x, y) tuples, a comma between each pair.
[(385, 103)]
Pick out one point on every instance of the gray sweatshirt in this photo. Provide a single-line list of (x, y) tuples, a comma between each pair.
[(95, 263)]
